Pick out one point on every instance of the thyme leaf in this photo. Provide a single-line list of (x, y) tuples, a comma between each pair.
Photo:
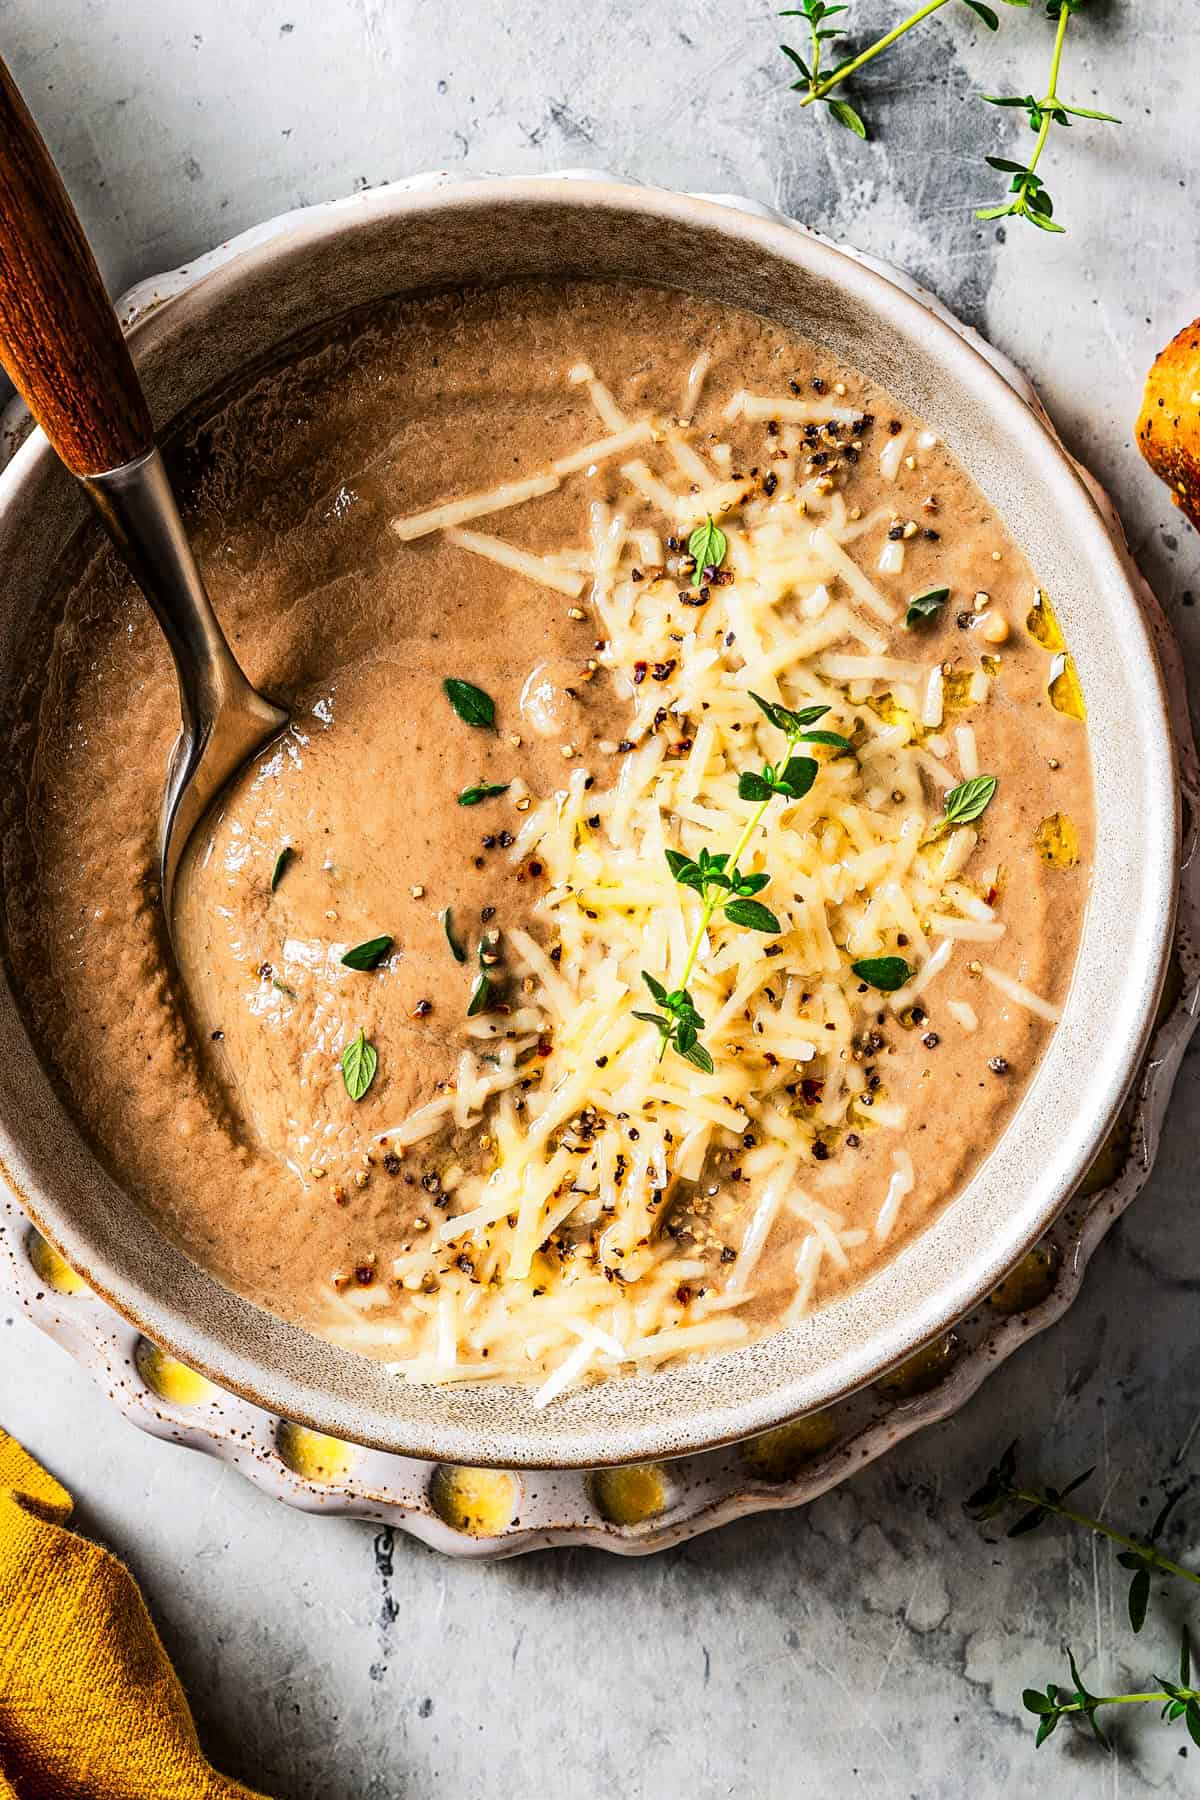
[(486, 790), (360, 1061), (481, 995), (472, 705), (966, 803), (887, 973), (285, 856), (456, 949), (707, 546), (925, 606), (369, 955), (753, 915)]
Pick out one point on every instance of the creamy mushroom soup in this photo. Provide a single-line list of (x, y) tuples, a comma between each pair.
[(666, 886)]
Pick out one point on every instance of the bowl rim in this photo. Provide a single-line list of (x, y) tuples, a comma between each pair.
[(611, 1438)]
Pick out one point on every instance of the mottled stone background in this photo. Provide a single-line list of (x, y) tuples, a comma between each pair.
[(876, 1644)]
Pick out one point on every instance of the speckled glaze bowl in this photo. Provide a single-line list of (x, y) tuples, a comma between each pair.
[(313, 266)]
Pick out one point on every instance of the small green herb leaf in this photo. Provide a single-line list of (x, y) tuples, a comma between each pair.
[(754, 915), (793, 723), (649, 1018), (486, 790), (686, 872), (471, 704), (798, 775), (967, 802), (697, 1054), (753, 787), (657, 990), (925, 606), (795, 56), (281, 862), (1085, 112), (359, 1064), (707, 545), (1191, 1718), (456, 949), (745, 885), (1139, 1598), (834, 739), (985, 13), (481, 995), (283, 988), (845, 115), (1029, 1521), (887, 973), (368, 955)]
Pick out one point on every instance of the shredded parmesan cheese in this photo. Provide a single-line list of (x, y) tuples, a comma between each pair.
[(535, 568), (551, 1259), (1023, 996), (474, 506)]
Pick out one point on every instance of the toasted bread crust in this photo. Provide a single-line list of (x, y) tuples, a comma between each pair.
[(1168, 427)]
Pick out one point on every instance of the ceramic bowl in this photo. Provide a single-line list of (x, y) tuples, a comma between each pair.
[(316, 266)]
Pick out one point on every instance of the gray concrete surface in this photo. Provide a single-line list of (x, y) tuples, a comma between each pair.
[(876, 1644)]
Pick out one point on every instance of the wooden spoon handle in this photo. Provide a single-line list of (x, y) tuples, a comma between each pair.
[(59, 337)]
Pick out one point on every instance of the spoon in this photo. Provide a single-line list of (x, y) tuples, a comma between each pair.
[(62, 346)]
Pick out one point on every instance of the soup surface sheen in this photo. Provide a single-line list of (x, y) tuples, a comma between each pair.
[(472, 1156)]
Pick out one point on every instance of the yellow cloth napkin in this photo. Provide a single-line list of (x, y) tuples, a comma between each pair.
[(90, 1707)]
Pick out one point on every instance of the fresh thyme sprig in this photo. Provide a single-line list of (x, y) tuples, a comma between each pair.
[(1177, 1699), (817, 13), (1029, 199), (1140, 1556), (817, 87), (722, 885)]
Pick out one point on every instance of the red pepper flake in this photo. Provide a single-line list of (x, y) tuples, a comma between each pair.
[(364, 1274), (662, 671), (639, 673), (811, 1090)]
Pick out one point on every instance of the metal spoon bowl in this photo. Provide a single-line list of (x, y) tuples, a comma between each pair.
[(61, 343)]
